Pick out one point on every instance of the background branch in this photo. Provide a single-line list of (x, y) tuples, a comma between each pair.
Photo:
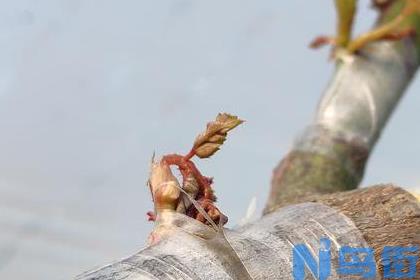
[(332, 153)]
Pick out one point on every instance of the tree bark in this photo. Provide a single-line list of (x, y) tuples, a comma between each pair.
[(386, 215)]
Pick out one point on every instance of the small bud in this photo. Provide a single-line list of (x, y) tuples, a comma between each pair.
[(164, 187)]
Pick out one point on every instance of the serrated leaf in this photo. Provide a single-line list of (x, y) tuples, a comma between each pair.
[(209, 142)]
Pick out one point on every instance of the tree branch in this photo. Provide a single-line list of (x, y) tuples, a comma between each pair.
[(332, 153), (369, 217)]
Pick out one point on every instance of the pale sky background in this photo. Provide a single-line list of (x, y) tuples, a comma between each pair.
[(89, 89)]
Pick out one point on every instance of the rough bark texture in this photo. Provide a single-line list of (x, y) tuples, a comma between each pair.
[(386, 215)]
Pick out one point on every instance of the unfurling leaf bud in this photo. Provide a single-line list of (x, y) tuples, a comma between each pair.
[(209, 142)]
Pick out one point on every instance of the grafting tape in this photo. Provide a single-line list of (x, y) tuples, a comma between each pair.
[(188, 249)]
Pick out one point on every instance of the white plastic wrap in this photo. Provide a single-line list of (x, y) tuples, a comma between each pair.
[(188, 249), (365, 90)]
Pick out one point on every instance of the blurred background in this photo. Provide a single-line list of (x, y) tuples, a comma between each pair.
[(90, 89)]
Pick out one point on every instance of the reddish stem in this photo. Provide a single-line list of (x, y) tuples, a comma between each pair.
[(187, 167), (189, 155)]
